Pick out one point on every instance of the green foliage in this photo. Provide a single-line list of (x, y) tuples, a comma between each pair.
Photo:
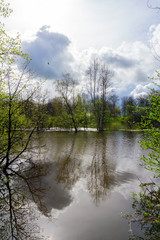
[(151, 137), (147, 203), (133, 110), (49, 121), (80, 112), (63, 121), (10, 48), (11, 116), (18, 120), (4, 9), (116, 124)]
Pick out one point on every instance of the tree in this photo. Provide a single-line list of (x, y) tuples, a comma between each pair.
[(13, 121), (9, 90), (129, 106), (113, 99), (66, 87), (151, 126), (124, 106), (81, 112), (99, 80), (16, 132), (16, 129), (10, 47), (146, 203)]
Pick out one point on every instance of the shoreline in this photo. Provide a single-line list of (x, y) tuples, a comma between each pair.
[(57, 129)]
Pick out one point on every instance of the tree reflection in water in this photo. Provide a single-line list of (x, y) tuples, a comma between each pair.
[(16, 214), (34, 184), (69, 168), (147, 212), (100, 175), (99, 180), (49, 194)]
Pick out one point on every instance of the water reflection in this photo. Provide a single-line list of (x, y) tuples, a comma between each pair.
[(48, 194), (99, 162), (69, 167), (34, 184), (101, 175), (91, 156), (98, 177), (17, 219)]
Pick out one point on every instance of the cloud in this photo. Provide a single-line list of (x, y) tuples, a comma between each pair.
[(50, 194), (140, 91), (49, 53), (131, 62), (118, 60)]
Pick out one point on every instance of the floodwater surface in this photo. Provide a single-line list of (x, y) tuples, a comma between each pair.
[(87, 183)]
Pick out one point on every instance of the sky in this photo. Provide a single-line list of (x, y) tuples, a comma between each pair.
[(64, 36)]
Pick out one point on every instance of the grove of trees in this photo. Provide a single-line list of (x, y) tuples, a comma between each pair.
[(75, 109)]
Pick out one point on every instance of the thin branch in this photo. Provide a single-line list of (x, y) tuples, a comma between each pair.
[(24, 149)]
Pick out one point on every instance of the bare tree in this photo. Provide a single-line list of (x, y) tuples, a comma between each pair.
[(99, 81), (66, 87)]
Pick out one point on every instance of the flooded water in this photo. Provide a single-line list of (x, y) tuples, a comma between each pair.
[(87, 183)]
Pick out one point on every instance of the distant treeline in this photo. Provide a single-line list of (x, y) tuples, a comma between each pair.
[(115, 117), (81, 113)]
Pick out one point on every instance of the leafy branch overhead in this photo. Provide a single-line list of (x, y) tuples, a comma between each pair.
[(20, 115), (151, 126), (147, 203)]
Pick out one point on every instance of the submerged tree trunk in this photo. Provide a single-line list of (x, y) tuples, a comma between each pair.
[(72, 115)]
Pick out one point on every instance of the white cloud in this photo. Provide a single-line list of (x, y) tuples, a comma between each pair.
[(140, 91), (132, 62)]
